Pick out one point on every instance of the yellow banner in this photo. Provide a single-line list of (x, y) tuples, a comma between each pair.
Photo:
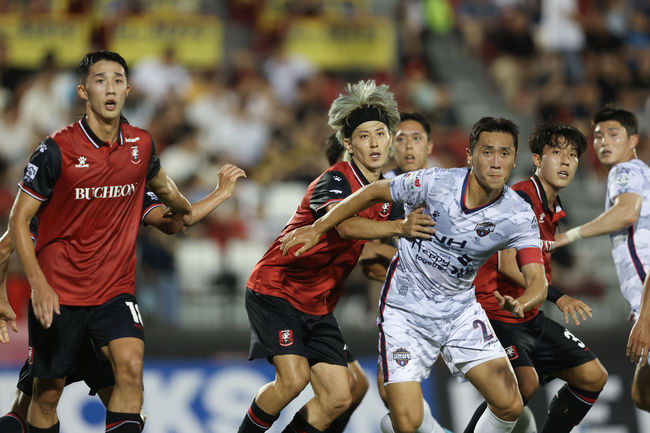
[(196, 40), (364, 43), (29, 38)]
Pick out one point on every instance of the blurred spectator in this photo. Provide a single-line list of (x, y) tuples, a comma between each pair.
[(284, 71), (560, 31), (45, 105), (161, 77)]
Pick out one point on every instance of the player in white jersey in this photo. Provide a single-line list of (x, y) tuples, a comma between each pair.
[(412, 145), (428, 307), (627, 221)]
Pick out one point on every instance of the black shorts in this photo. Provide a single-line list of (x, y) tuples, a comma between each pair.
[(91, 366), (542, 343), (277, 328), (348, 354), (53, 352)]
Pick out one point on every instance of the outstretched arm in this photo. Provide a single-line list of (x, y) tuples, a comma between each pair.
[(638, 343), (170, 223), (365, 197), (45, 302), (7, 315), (622, 214), (228, 175)]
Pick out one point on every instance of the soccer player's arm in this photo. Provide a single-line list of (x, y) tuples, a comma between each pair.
[(414, 225), (228, 176), (376, 192), (535, 287), (45, 301), (375, 259), (570, 307), (626, 186), (7, 315), (168, 192), (170, 223), (624, 213), (638, 343)]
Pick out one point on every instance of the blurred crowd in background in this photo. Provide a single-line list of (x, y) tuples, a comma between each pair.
[(262, 105)]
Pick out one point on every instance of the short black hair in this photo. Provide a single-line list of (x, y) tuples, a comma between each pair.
[(91, 58), (548, 134), (417, 117), (333, 149), (493, 124), (626, 118)]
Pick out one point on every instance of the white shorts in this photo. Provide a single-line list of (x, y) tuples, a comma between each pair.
[(409, 343)]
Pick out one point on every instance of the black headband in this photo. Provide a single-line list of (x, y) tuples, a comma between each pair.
[(361, 115)]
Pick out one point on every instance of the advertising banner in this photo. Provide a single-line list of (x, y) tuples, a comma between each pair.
[(197, 41), (28, 38), (363, 43)]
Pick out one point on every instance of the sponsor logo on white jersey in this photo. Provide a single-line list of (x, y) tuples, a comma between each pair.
[(113, 191), (623, 179)]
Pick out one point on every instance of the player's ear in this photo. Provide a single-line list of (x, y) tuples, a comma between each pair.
[(82, 92), (347, 143), (468, 152), (537, 160)]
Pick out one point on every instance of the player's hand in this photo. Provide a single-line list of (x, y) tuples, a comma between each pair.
[(418, 225), (306, 236), (45, 302), (638, 343), (574, 307), (561, 240), (7, 318), (509, 303), (228, 175)]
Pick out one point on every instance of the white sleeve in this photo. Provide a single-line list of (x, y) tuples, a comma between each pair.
[(412, 188)]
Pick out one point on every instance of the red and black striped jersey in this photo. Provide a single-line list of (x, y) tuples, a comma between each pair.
[(312, 283), (489, 279), (92, 195)]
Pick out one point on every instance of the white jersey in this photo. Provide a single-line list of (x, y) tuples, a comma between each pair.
[(631, 246), (443, 268)]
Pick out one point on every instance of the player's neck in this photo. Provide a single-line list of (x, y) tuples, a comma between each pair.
[(371, 174), (478, 195), (628, 157), (105, 130), (549, 190)]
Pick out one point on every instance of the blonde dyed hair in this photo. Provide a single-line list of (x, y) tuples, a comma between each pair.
[(359, 95)]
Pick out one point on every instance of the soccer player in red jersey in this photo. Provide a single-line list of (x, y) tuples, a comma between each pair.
[(539, 348), (92, 367), (86, 182), (287, 298)]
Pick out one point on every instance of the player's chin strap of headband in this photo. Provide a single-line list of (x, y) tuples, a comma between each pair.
[(361, 115)]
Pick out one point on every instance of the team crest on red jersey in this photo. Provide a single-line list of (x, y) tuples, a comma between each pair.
[(401, 356), (135, 154), (286, 337), (512, 353), (484, 228), (385, 208)]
